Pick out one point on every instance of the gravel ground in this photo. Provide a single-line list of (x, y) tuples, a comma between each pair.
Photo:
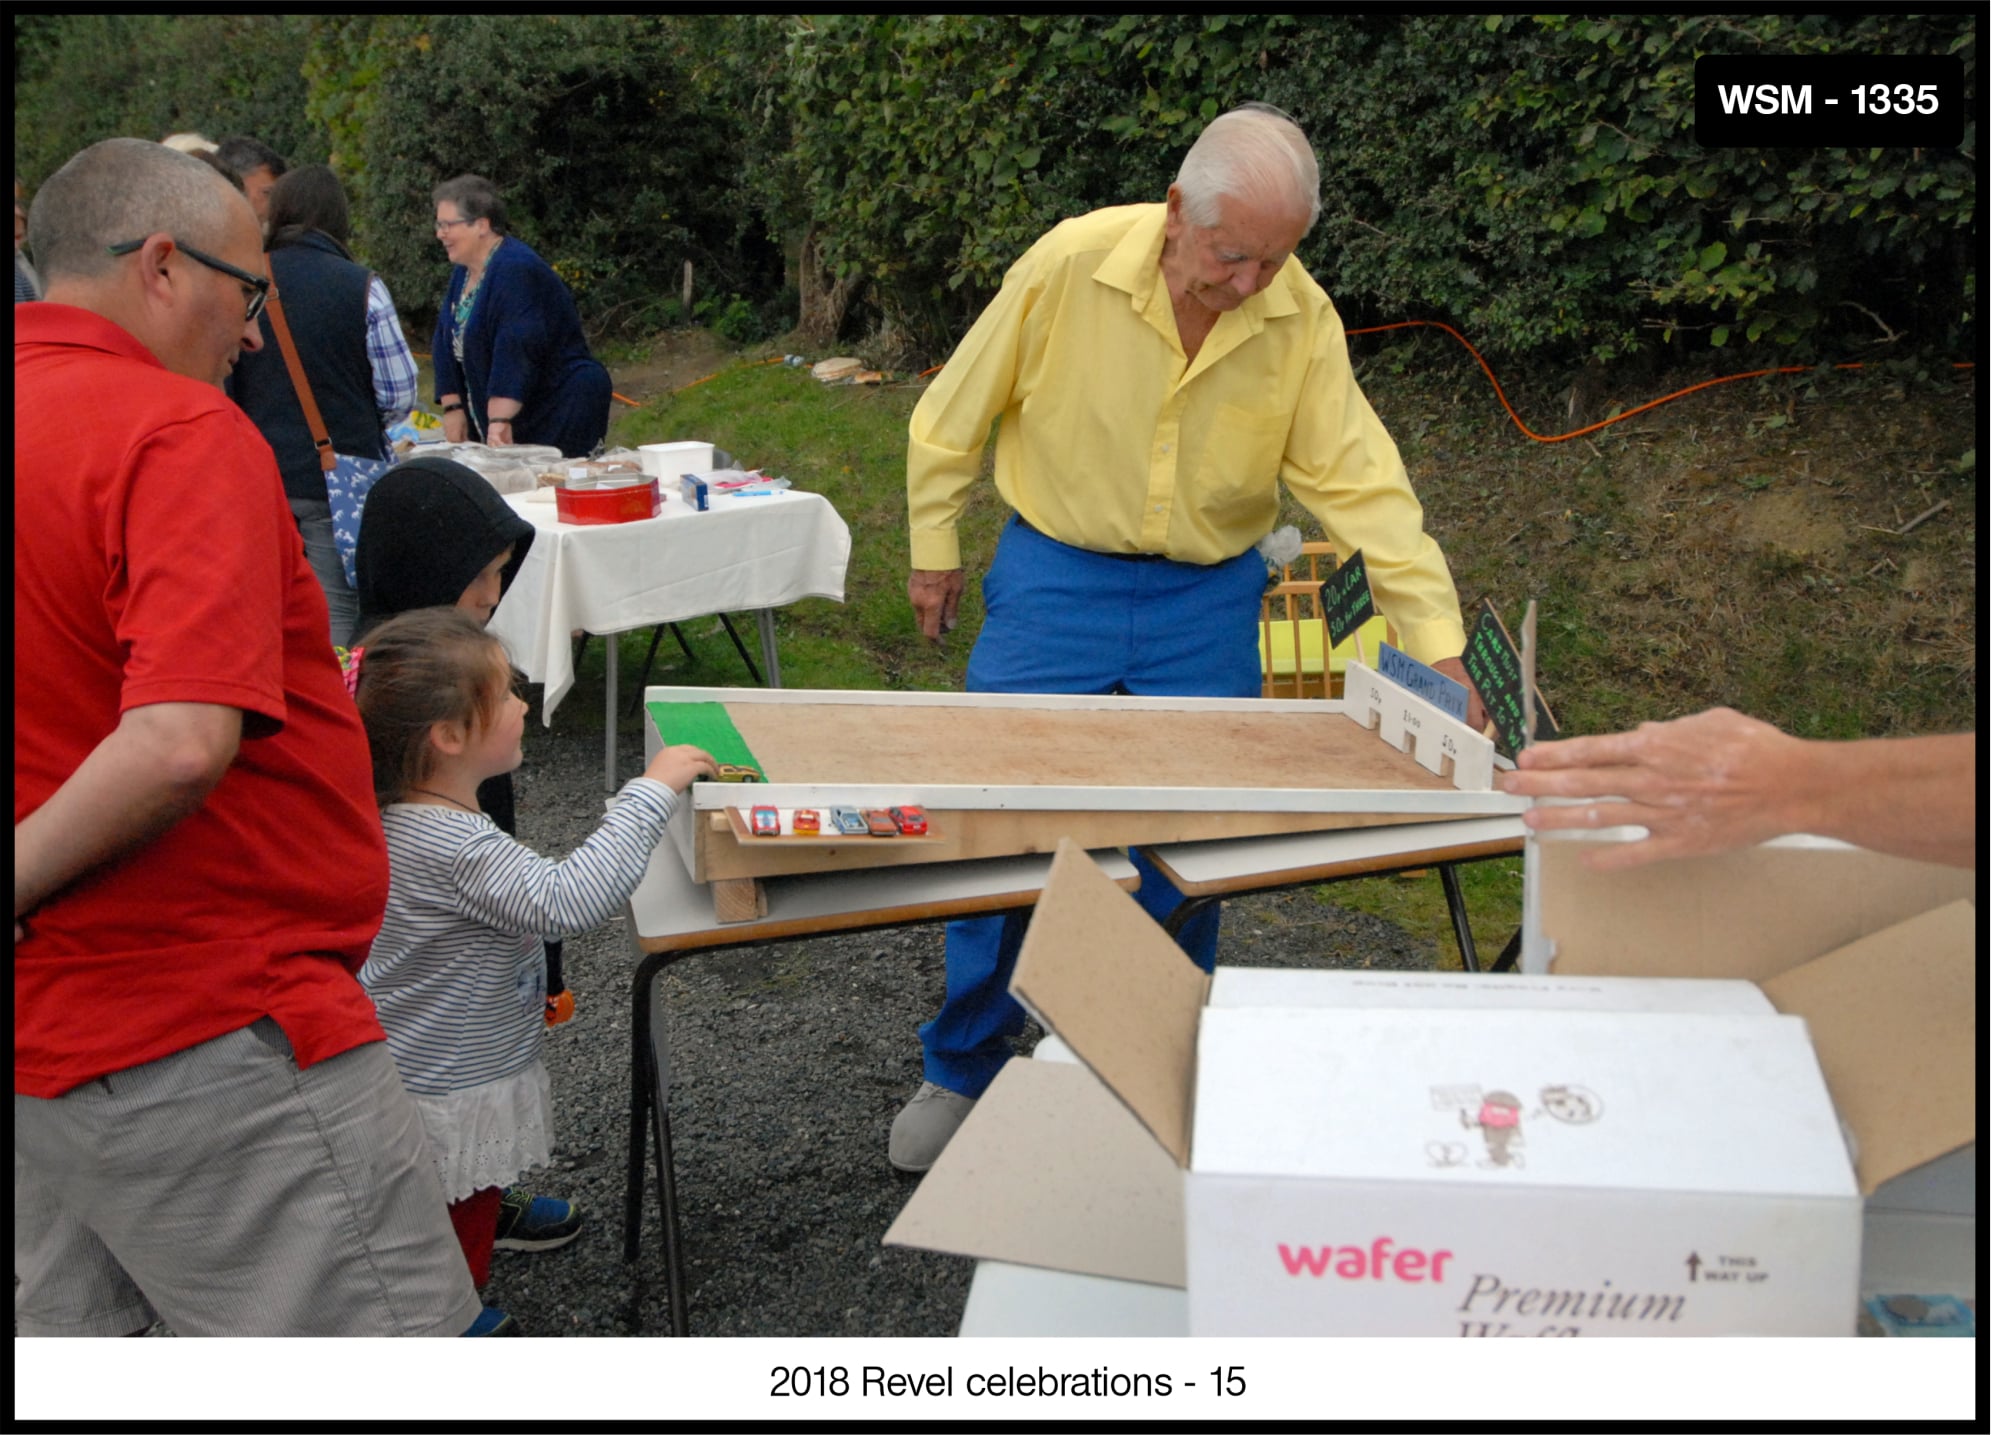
[(787, 1063)]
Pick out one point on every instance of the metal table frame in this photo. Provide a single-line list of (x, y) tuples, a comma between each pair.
[(800, 908)]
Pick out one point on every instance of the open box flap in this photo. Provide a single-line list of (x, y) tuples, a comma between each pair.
[(1749, 914), (1893, 1020), (1099, 973), (1051, 1170)]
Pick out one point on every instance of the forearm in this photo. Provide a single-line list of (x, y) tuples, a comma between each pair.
[(937, 494), (1720, 780), (447, 383), (510, 887), (953, 421), (389, 358), (948, 434), (1345, 470), (1911, 797), (154, 769)]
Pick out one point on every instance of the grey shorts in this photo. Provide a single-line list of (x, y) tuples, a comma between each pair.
[(231, 1193)]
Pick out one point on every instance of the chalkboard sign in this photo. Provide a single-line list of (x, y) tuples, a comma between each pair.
[(1426, 682), (1495, 669), (1344, 600)]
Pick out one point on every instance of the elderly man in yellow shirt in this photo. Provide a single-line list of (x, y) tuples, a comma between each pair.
[(1156, 369)]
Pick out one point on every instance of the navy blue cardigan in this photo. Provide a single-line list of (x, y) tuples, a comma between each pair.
[(524, 341)]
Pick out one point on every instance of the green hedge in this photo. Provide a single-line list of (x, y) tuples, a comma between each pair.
[(1531, 179), (616, 141), (82, 78)]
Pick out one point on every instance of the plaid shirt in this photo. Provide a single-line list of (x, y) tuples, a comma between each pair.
[(389, 356)]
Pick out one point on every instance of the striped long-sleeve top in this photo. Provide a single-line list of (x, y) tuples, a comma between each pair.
[(457, 972)]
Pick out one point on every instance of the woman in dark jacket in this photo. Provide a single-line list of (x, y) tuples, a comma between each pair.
[(351, 346), (512, 364)]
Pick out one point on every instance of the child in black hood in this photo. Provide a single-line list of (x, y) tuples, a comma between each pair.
[(431, 533)]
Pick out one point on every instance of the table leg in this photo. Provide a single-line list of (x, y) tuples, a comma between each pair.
[(649, 1107), (767, 637), (749, 663), (642, 1105), (610, 712), (1184, 913), (670, 1208), (1461, 924)]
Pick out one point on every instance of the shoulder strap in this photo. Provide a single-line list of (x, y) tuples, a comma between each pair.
[(276, 309)]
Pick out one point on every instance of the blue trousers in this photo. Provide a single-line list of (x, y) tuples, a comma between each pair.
[(1065, 620)]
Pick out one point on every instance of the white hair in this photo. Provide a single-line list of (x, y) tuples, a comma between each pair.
[(187, 142), (1249, 153)]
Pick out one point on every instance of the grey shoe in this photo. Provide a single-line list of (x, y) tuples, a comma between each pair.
[(924, 1126)]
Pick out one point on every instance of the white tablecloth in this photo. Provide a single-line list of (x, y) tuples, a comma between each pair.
[(743, 554)]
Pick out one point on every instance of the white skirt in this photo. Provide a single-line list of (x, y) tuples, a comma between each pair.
[(489, 1135)]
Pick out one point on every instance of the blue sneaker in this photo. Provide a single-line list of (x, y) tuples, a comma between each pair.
[(535, 1223), (493, 1322)]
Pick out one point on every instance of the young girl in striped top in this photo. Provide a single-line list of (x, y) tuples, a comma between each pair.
[(457, 972)]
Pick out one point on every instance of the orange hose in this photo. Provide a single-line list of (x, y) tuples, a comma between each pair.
[(1615, 418)]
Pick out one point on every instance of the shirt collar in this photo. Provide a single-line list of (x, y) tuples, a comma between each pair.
[(66, 324), (1133, 266)]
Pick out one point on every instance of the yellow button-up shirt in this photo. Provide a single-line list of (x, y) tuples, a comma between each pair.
[(1111, 440)]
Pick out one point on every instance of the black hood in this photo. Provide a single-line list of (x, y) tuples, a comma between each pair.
[(428, 528)]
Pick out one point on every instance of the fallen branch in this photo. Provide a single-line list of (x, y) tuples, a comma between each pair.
[(1932, 512), (1890, 336)]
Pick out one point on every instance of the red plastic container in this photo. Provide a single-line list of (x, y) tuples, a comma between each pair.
[(608, 505)]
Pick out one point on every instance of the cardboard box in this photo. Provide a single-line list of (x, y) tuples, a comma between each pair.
[(1878, 954), (1360, 1153)]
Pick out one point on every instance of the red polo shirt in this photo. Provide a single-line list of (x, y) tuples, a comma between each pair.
[(155, 560)]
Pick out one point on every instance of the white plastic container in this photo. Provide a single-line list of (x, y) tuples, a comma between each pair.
[(670, 460)]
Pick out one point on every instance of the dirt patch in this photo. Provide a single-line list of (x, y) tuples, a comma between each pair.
[(1792, 522), (668, 361)]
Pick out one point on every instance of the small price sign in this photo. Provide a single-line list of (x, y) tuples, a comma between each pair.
[(1345, 600), (1494, 666)]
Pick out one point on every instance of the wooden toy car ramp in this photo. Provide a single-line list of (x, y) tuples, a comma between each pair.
[(999, 774)]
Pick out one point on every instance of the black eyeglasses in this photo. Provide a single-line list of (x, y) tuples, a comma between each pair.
[(260, 285)]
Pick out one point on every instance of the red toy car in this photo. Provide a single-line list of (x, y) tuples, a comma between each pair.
[(805, 821), (764, 822), (910, 820)]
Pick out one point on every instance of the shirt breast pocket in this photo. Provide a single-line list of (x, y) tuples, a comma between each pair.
[(1237, 480)]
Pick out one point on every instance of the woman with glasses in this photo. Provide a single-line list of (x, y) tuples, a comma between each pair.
[(511, 360), (356, 361)]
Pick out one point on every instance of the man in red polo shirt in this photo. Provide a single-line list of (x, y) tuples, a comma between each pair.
[(208, 1125)]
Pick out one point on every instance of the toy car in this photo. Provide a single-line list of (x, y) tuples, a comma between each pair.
[(737, 772), (910, 820), (763, 821), (880, 823), (850, 822), (806, 821)]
